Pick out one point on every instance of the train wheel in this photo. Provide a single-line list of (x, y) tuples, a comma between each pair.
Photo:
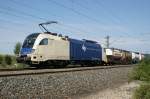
[(60, 64)]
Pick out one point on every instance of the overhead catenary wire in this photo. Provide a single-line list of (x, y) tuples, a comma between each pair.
[(34, 15), (87, 8), (18, 23), (21, 12), (62, 23), (77, 12), (25, 5), (115, 18), (30, 7), (44, 18), (90, 10), (13, 22), (82, 6), (6, 28), (11, 14)]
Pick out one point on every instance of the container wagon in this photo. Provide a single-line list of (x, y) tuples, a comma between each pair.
[(118, 56)]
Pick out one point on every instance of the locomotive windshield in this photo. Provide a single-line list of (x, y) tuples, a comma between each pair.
[(29, 41)]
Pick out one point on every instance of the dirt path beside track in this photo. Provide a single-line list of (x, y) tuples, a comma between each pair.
[(124, 91)]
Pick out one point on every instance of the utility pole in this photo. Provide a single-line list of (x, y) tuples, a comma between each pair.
[(107, 41)]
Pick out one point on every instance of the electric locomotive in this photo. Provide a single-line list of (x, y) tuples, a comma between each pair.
[(50, 48)]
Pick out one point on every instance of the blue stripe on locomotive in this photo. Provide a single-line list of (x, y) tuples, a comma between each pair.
[(82, 50), (25, 51)]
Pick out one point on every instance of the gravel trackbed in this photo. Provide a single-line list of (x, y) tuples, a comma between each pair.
[(65, 85)]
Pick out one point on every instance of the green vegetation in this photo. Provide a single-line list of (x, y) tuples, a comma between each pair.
[(9, 62), (142, 73), (1, 59), (143, 92), (17, 48)]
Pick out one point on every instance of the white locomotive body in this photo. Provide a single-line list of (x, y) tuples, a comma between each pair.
[(41, 47)]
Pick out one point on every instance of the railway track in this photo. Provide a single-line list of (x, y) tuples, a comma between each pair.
[(17, 69), (34, 71)]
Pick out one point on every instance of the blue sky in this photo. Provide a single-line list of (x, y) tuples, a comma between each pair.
[(127, 22)]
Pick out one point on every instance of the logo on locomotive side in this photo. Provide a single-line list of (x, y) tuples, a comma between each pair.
[(83, 48)]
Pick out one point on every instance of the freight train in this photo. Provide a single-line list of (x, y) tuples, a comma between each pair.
[(57, 50), (119, 56), (53, 49)]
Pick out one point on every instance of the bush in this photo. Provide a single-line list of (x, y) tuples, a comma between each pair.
[(8, 60), (1, 59), (13, 59), (142, 71), (17, 48), (143, 92)]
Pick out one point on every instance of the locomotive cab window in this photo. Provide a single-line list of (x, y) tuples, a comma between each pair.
[(30, 40), (44, 42)]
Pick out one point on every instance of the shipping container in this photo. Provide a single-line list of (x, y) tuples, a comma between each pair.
[(113, 55), (126, 57), (118, 56), (135, 57)]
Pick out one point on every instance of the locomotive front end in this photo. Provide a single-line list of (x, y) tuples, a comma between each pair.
[(27, 49)]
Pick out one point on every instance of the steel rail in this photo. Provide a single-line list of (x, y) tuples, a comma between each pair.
[(51, 71)]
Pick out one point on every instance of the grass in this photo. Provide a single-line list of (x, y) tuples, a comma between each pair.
[(143, 92), (142, 73)]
